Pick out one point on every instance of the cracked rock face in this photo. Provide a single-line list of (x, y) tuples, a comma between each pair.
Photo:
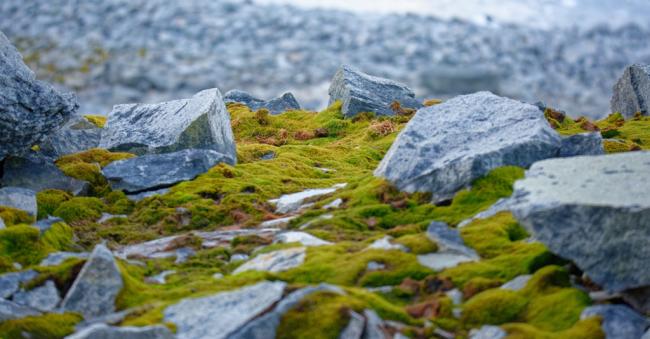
[(286, 102), (201, 122), (29, 109), (77, 135), (447, 146), (632, 91), (593, 210)]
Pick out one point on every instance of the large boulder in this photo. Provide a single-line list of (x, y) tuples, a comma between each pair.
[(360, 92), (37, 173), (593, 210), (215, 317), (103, 331), (19, 198), (632, 91), (447, 146), (77, 135), (29, 109), (155, 171), (286, 102), (199, 122), (95, 289)]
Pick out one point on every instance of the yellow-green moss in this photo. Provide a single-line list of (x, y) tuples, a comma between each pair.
[(21, 243), (52, 325), (97, 120), (493, 307), (58, 237), (11, 216), (588, 329), (49, 200), (417, 243), (87, 166), (80, 209)]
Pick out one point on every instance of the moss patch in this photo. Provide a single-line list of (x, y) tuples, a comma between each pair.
[(49, 200), (87, 166), (11, 216), (80, 209), (45, 326), (97, 120)]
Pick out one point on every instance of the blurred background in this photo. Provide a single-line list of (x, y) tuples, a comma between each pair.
[(565, 53)]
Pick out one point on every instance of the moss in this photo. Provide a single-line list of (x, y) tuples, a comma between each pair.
[(118, 203), (493, 236), (97, 120), (87, 166), (59, 237), (11, 216), (493, 307), (588, 328), (417, 243), (52, 325), (63, 274), (80, 209), (21, 243), (49, 200)]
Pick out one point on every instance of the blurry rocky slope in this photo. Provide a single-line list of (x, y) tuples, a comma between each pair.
[(121, 51)]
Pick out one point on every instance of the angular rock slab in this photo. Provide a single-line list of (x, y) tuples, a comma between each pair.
[(29, 109), (155, 171), (447, 146), (360, 92), (593, 210), (103, 331), (199, 122), (582, 144), (43, 298), (77, 135), (286, 102), (452, 250), (95, 289), (10, 310), (10, 282), (632, 91), (618, 321), (37, 172), (19, 198), (217, 316), (276, 261)]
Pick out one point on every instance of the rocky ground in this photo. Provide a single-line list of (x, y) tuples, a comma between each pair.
[(382, 216)]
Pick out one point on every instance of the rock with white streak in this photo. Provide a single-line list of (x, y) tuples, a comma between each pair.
[(276, 261)]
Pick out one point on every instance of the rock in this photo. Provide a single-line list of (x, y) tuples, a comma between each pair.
[(239, 257), (57, 258), (286, 102), (619, 321), (280, 222), (303, 238), (449, 80), (276, 261), (263, 326), (451, 248), (29, 109), (140, 196), (94, 290), (517, 283), (385, 243), (44, 225), (10, 310), (445, 147), (289, 203), (19, 198), (632, 91), (160, 278), (107, 216), (336, 203), (592, 210), (582, 144), (375, 266), (488, 332), (184, 253), (375, 327), (501, 205), (201, 122), (354, 328), (456, 296), (77, 135), (155, 171), (10, 282), (103, 331), (360, 92), (43, 298), (38, 173), (217, 316)]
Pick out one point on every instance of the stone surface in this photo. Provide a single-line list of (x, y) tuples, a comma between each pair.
[(503, 204), (95, 288), (160, 278), (451, 248), (10, 310), (44, 225), (146, 194), (375, 327), (594, 211), (155, 171), (336, 203), (201, 122), (632, 91), (517, 283), (103, 331), (29, 109), (10, 282), (360, 92), (289, 203), (19, 198), (37, 173), (354, 328), (303, 238), (582, 144), (619, 321), (217, 316), (276, 261), (386, 243), (445, 147), (43, 298), (286, 102), (57, 258), (77, 135), (488, 332)]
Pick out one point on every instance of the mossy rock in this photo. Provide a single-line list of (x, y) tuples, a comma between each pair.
[(49, 200), (11, 216)]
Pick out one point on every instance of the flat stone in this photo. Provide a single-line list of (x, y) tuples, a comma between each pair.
[(10, 310), (289, 203), (44, 225), (217, 316), (77, 135), (336, 203), (19, 198), (43, 298), (488, 332), (276, 261), (445, 147), (360, 92), (103, 331), (386, 243), (277, 222), (286, 102), (375, 327), (449, 239), (160, 278), (57, 258), (354, 328), (37, 173), (201, 122), (582, 144), (10, 282), (29, 109), (96, 287), (155, 171), (619, 321), (517, 284), (592, 210), (632, 91), (303, 238), (239, 257), (441, 261)]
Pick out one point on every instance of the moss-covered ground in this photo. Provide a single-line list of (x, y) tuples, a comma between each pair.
[(288, 153)]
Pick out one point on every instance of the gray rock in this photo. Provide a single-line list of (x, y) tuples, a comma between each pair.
[(386, 243), (488, 332), (303, 238), (451, 248), (360, 92), (10, 282), (44, 225), (632, 91), (29, 109), (354, 328), (160, 278), (201, 122), (447, 146), (10, 310), (619, 321), (155, 171), (375, 266), (140, 196), (263, 326), (276, 261), (57, 258), (289, 203), (103, 331), (77, 135), (94, 290), (449, 80), (593, 210), (37, 173), (375, 327), (286, 102), (582, 144), (517, 283), (43, 298), (646, 335), (19, 198), (217, 316), (501, 205)]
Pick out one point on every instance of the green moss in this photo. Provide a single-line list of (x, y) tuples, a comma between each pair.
[(49, 200), (118, 203), (50, 325), (588, 328), (80, 209), (417, 243), (493, 307), (493, 236), (21, 243), (63, 274), (87, 166), (11, 216), (59, 237), (97, 120)]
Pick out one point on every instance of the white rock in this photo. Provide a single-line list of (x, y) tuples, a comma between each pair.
[(289, 203), (303, 238), (276, 261), (385, 243)]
